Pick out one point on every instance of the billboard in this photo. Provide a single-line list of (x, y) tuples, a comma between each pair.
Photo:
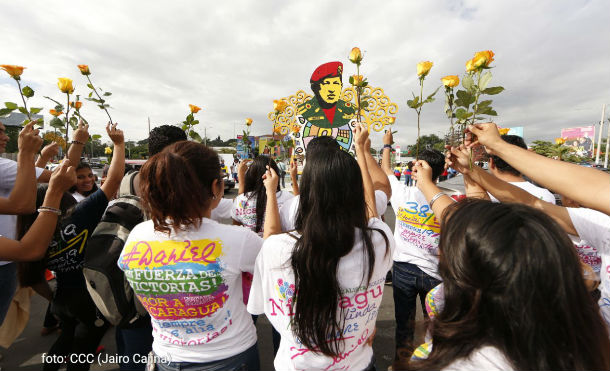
[(517, 130), (580, 139), (241, 149)]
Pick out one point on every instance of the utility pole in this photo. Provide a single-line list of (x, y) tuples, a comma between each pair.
[(601, 133), (607, 143)]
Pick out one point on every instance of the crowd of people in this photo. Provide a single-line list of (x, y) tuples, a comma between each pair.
[(507, 278)]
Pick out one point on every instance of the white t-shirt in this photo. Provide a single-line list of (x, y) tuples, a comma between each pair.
[(190, 283), (223, 210), (77, 196), (288, 212), (273, 289), (8, 176), (417, 231), (484, 358), (594, 227), (244, 208), (541, 193)]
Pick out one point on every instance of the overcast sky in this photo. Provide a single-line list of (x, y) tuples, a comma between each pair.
[(232, 58)]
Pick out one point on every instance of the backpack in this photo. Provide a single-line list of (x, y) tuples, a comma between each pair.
[(106, 282)]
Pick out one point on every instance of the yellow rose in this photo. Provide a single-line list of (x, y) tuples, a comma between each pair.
[(84, 69), (483, 58), (248, 121), (194, 109), (107, 150), (14, 71), (355, 56), (357, 79), (295, 128), (503, 131), (65, 85), (451, 81), (279, 106), (76, 105), (55, 113), (423, 68), (470, 67), (392, 120), (559, 141)]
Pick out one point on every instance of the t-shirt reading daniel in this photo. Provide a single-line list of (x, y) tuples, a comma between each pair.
[(244, 208), (417, 231), (273, 289), (190, 283)]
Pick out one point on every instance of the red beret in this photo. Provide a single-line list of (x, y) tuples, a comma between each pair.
[(330, 69)]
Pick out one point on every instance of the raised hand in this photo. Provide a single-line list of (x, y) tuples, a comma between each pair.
[(422, 172), (294, 168), (50, 150), (270, 180), (29, 142), (388, 137), (116, 135), (361, 134), (81, 134), (63, 177), (487, 135), (459, 159)]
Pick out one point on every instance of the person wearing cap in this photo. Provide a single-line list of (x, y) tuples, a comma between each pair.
[(326, 114)]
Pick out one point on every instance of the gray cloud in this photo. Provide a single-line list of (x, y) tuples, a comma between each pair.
[(233, 58)]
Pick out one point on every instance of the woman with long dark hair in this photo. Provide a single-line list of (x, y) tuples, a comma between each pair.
[(185, 268), (85, 182), (514, 294), (249, 206), (321, 285)]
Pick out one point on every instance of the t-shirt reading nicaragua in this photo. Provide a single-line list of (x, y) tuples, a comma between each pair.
[(417, 231), (594, 227), (273, 290), (190, 283), (244, 208), (65, 254)]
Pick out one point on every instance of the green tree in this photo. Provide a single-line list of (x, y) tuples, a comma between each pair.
[(431, 141)]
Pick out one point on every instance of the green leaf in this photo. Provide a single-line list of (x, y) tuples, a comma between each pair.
[(430, 97), (5, 111), (468, 83), (351, 80), (484, 80), (195, 122), (23, 110), (90, 86), (11, 105), (25, 122), (413, 103), (39, 121), (56, 123), (34, 111), (62, 130), (90, 94), (107, 94), (464, 99), (94, 100), (184, 127), (59, 108), (483, 105), (493, 90), (27, 92), (96, 136), (194, 136)]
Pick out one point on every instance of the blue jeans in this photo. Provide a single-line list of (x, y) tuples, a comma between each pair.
[(408, 180), (134, 341), (409, 281), (8, 284), (244, 361)]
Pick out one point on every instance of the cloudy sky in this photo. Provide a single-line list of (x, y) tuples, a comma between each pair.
[(232, 58)]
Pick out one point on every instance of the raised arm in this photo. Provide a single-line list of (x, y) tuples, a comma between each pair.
[(506, 192), (117, 166), (473, 189), (378, 176), (438, 201), (588, 187), (79, 138), (294, 177), (48, 152), (241, 176), (386, 164), (272, 213), (22, 199), (35, 242), (363, 145)]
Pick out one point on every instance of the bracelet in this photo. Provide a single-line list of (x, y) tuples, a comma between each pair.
[(77, 142), (387, 146), (48, 209), (435, 197)]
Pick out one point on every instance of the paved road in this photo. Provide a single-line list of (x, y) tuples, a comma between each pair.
[(26, 352)]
